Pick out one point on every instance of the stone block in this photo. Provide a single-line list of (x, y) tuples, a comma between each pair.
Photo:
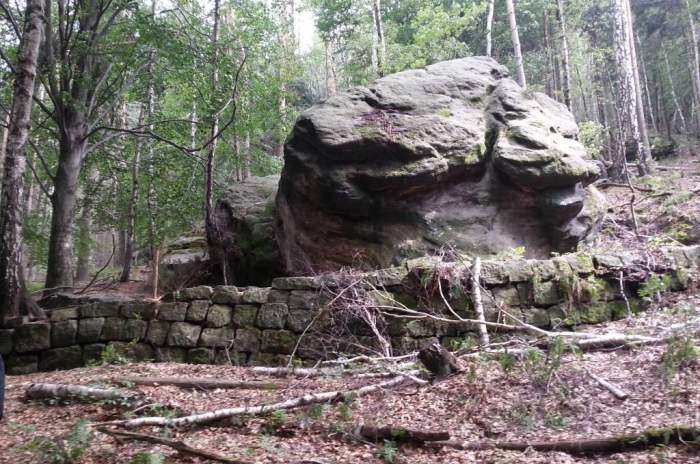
[(92, 353), (171, 354), (135, 329), (539, 317), (219, 316), (136, 352), (6, 340), (493, 273), (278, 296), (34, 336), (64, 333), (89, 330), (200, 356), (244, 315), (255, 295), (145, 310), (172, 311), (63, 314), (113, 330), (518, 270), (226, 294), (272, 316), (202, 292), (218, 337), (19, 364), (299, 319), (307, 299), (268, 359), (420, 328), (296, 283), (157, 332), (61, 358), (247, 340), (545, 293), (387, 277), (184, 334), (277, 341), (102, 309), (507, 295), (197, 311)]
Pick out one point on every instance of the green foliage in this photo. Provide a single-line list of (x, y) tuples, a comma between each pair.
[(110, 356), (274, 421), (345, 410), (388, 451), (680, 352), (655, 285), (315, 411), (472, 375), (592, 135), (540, 366), (61, 450), (148, 458), (507, 362)]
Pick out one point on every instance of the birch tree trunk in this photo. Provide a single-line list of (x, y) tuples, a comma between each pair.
[(674, 97), (549, 79), (516, 44), (489, 28), (566, 67), (379, 30), (627, 89), (3, 142), (644, 155), (643, 69), (12, 290), (331, 82)]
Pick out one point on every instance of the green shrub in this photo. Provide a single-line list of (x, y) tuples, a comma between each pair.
[(68, 450)]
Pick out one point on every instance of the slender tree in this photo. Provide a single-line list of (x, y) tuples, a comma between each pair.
[(211, 151), (695, 65), (566, 84), (489, 27), (517, 52), (379, 31), (12, 291)]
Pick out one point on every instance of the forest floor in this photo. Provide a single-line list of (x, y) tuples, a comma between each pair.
[(495, 399)]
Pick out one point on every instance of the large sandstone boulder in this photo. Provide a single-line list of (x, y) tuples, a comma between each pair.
[(245, 244), (456, 154), (185, 263)]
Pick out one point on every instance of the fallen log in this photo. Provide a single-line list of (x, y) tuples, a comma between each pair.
[(200, 383), (46, 391), (645, 439), (326, 371), (213, 416), (180, 446), (616, 391), (398, 434)]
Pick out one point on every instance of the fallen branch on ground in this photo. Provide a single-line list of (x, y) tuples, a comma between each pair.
[(180, 446), (616, 391), (398, 434), (645, 439), (324, 372), (212, 416), (201, 383), (45, 391)]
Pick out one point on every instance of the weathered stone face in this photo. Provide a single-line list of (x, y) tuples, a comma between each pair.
[(455, 153)]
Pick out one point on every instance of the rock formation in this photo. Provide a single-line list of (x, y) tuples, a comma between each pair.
[(453, 155)]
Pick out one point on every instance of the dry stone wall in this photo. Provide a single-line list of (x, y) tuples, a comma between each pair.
[(262, 325)]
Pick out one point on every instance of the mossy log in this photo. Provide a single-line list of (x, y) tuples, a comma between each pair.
[(398, 434), (648, 438)]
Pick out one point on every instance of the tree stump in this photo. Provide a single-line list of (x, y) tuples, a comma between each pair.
[(440, 362)]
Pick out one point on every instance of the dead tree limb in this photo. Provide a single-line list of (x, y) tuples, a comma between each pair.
[(326, 372), (616, 391), (293, 403), (180, 446), (645, 439), (398, 434), (200, 383), (44, 391)]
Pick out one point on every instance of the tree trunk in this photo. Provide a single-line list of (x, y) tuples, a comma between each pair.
[(674, 97), (627, 91), (695, 65), (72, 146), (489, 28), (564, 54), (248, 160), (3, 142), (82, 269), (549, 79), (517, 52), (379, 30), (644, 155), (12, 291), (331, 85), (211, 153)]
